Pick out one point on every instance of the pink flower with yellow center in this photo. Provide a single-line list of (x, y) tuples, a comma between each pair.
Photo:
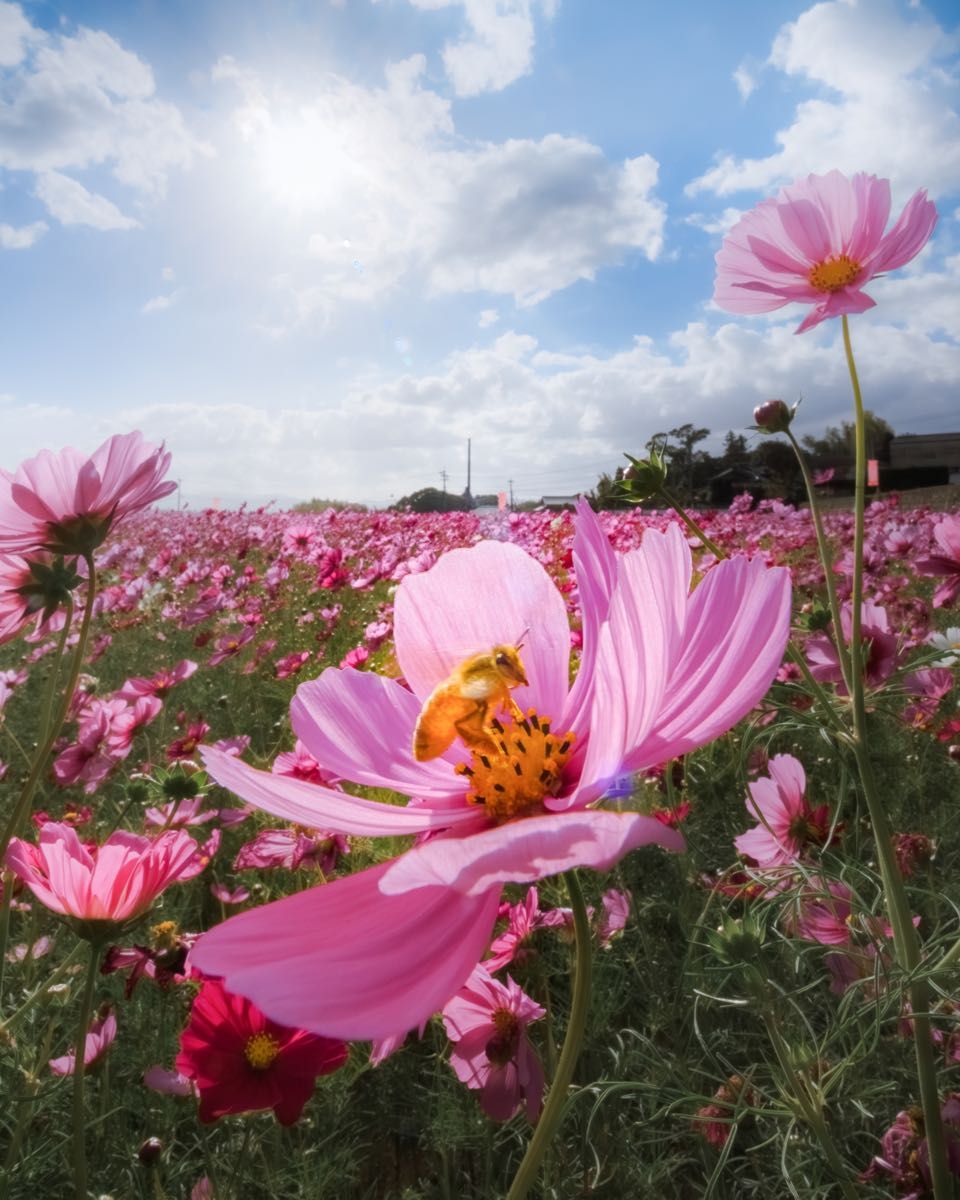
[(819, 242), (487, 1022), (107, 885), (663, 670)]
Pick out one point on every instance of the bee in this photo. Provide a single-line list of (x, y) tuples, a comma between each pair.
[(463, 704)]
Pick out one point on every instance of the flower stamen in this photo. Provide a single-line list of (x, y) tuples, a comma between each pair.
[(834, 273), (261, 1050), (514, 781)]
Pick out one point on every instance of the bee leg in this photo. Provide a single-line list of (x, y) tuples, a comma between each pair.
[(473, 729)]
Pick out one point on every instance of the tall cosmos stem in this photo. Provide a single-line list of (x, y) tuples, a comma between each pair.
[(552, 1114), (78, 1121), (22, 807), (906, 943), (826, 558)]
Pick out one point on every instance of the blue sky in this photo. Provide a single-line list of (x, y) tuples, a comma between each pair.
[(316, 246)]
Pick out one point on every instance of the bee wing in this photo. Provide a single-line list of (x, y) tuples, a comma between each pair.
[(436, 726)]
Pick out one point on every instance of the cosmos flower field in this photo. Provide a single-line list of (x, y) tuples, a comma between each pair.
[(204, 626), (557, 854)]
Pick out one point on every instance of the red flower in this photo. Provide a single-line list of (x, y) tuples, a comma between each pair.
[(240, 1061)]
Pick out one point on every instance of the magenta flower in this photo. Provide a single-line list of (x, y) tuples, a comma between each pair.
[(487, 1022), (663, 670), (114, 883), (881, 653), (946, 564), (787, 823), (240, 1061), (67, 503), (100, 1036), (819, 242)]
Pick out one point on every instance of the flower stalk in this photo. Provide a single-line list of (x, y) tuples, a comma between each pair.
[(553, 1109), (906, 944), (22, 806), (78, 1122)]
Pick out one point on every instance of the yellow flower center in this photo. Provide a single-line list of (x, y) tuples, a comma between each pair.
[(834, 273), (261, 1050), (165, 936), (523, 764)]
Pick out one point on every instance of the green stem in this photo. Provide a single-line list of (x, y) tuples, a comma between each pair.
[(553, 1109), (826, 558), (21, 1012), (55, 670), (906, 944), (79, 1075), (692, 525), (809, 1104), (6, 887), (22, 807), (232, 1194)]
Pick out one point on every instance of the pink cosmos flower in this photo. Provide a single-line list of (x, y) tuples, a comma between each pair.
[(819, 242), (881, 652), (159, 684), (787, 823), (946, 564), (294, 849), (663, 670), (19, 601), (299, 763), (115, 882), (100, 1036), (514, 943), (67, 503), (487, 1022)]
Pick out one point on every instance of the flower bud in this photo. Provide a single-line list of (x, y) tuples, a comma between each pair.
[(644, 478), (773, 416), (150, 1151)]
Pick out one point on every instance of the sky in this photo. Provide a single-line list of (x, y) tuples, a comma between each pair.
[(316, 246)]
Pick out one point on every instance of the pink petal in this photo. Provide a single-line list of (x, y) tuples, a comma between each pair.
[(345, 960), (736, 631), (908, 237), (359, 726), (492, 594), (315, 806), (525, 850), (595, 565)]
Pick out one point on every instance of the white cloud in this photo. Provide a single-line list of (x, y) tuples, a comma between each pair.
[(887, 106), (488, 316), (76, 101), (15, 33), (385, 191), (715, 224), (745, 81), (499, 46), (13, 238), (159, 303), (71, 203), (167, 274)]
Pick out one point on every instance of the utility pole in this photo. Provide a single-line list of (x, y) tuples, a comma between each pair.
[(443, 476), (511, 493)]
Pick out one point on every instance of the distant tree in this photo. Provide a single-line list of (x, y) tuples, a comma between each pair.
[(683, 459), (736, 452), (488, 500), (431, 499), (837, 444), (777, 465), (321, 505), (607, 494)]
